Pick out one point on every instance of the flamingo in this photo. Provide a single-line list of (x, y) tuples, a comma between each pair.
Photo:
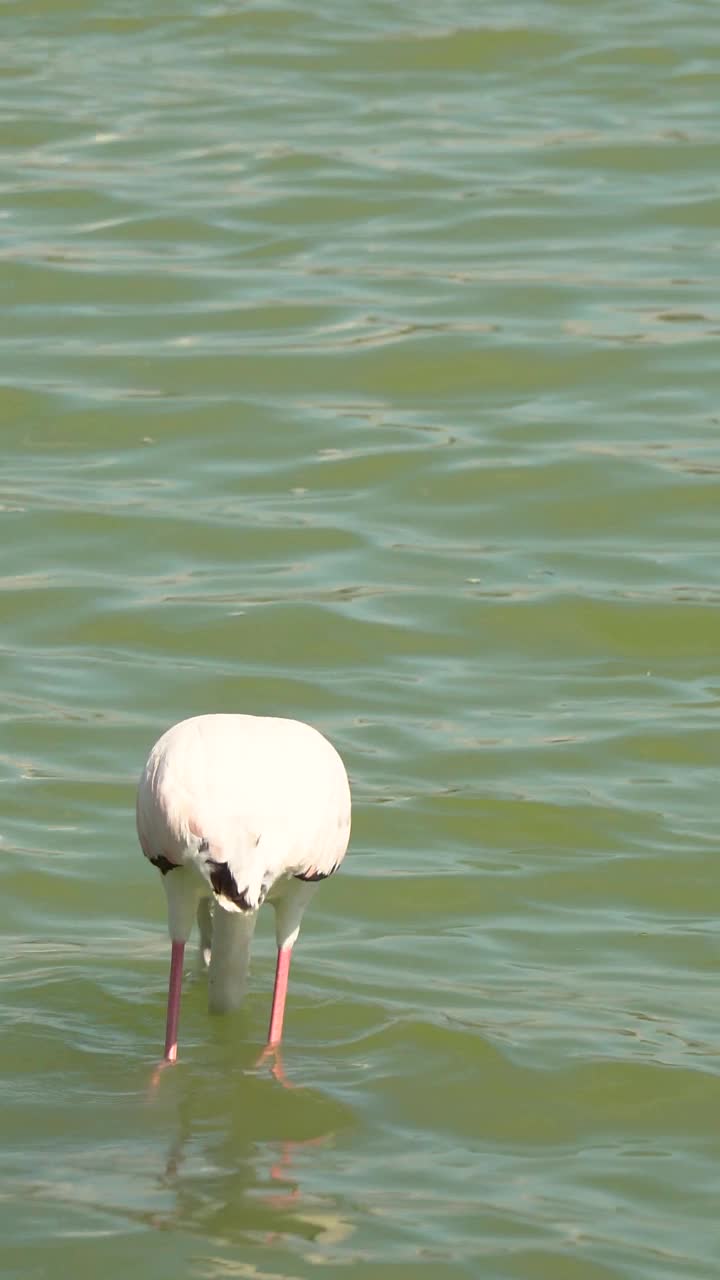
[(233, 810)]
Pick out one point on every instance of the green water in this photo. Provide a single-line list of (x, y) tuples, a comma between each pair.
[(359, 364)]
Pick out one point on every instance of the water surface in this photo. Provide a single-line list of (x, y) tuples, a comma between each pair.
[(360, 366)]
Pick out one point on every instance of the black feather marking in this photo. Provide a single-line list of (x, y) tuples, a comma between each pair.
[(225, 886), (311, 876), (163, 864), (204, 846)]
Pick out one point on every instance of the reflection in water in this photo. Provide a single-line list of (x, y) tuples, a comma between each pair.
[(241, 1151)]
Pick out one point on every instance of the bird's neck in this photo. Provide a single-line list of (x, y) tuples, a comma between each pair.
[(232, 935)]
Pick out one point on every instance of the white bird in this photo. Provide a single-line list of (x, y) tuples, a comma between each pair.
[(234, 809)]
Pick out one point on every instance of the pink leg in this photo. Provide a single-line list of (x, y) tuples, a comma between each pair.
[(279, 993), (173, 1006)]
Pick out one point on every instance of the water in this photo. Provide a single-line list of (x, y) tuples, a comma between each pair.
[(359, 364)]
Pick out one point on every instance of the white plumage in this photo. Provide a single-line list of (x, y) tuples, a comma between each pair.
[(233, 809)]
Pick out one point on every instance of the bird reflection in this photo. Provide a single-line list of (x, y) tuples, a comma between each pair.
[(235, 1164)]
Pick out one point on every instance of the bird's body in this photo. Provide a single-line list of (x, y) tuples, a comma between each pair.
[(236, 809)]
